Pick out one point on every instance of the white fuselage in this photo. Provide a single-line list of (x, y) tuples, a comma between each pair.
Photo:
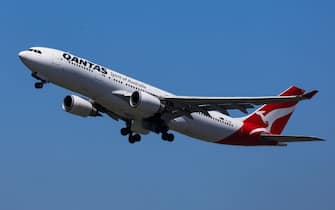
[(99, 83)]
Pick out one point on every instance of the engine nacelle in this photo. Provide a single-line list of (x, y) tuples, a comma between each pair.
[(144, 104), (79, 106)]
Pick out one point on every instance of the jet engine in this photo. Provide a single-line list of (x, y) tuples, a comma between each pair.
[(144, 104), (79, 106)]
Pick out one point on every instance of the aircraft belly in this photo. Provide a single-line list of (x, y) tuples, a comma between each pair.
[(202, 127)]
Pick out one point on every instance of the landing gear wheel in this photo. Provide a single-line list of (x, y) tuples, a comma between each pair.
[(39, 85), (170, 137), (137, 137), (134, 138), (167, 137), (125, 131), (131, 139), (164, 136)]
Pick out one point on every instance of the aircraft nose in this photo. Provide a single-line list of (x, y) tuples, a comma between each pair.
[(28, 59), (23, 56)]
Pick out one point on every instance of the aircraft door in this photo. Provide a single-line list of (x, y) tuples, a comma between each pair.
[(56, 70), (56, 59)]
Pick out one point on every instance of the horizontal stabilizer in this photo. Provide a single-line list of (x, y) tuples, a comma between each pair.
[(280, 138), (310, 94)]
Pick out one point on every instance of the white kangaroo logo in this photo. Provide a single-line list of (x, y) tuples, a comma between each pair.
[(271, 117)]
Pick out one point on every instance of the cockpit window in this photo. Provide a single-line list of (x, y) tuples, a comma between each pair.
[(35, 51)]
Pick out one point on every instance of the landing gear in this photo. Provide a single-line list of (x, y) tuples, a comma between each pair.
[(125, 131), (132, 138), (135, 137), (168, 137), (39, 85), (163, 129)]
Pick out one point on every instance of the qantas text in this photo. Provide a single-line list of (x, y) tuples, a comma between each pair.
[(85, 63)]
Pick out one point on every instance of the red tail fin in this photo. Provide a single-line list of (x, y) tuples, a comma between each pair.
[(272, 118)]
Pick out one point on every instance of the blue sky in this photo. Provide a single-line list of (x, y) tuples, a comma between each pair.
[(52, 160)]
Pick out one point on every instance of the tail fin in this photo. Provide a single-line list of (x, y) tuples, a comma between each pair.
[(272, 118)]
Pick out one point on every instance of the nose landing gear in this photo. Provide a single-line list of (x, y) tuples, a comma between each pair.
[(40, 84)]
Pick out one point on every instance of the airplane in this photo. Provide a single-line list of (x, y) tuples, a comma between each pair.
[(145, 108)]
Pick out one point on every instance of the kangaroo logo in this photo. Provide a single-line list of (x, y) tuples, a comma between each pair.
[(269, 118)]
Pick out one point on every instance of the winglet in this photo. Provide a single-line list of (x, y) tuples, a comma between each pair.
[(310, 94)]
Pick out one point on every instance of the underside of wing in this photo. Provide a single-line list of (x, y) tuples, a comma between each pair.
[(287, 139)]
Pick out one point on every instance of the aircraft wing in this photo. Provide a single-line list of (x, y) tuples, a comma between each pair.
[(189, 104), (286, 139)]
